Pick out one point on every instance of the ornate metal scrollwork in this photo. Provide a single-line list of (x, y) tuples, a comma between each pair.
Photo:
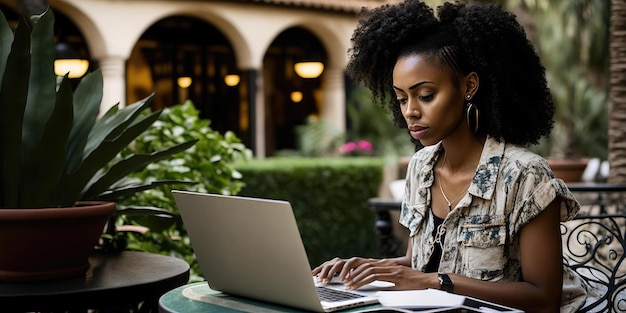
[(593, 246)]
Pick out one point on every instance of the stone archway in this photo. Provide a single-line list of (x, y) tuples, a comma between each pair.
[(179, 48)]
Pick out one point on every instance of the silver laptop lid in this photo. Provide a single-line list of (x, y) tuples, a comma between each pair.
[(249, 247)]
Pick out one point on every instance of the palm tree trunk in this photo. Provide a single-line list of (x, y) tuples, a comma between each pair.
[(617, 93)]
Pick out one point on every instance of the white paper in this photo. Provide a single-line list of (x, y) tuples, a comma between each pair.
[(428, 298)]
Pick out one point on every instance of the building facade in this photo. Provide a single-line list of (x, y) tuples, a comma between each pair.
[(233, 59)]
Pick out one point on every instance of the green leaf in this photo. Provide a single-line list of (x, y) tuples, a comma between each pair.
[(122, 192), (43, 168), (12, 103), (114, 123), (133, 163), (6, 38), (102, 153), (42, 84), (87, 99), (156, 219)]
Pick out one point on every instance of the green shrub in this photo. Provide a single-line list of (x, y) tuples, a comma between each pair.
[(207, 166), (329, 197)]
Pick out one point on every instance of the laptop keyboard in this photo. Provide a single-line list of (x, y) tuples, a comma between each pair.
[(334, 295)]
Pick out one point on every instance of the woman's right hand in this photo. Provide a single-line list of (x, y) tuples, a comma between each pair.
[(343, 267)]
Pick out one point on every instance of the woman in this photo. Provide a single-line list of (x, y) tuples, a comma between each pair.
[(483, 212)]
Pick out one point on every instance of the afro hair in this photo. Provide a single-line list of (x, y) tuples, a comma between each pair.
[(513, 99)]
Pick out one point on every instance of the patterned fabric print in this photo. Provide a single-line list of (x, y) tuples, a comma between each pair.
[(511, 186)]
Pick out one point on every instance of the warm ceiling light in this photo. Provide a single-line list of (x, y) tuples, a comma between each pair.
[(296, 96), (74, 68), (69, 62), (184, 82), (232, 80), (309, 69)]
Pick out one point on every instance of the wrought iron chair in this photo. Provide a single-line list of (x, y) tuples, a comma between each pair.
[(594, 246)]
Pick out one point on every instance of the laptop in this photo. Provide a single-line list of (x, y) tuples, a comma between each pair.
[(252, 248)]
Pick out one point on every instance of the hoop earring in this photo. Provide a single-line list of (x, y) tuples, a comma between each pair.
[(471, 107)]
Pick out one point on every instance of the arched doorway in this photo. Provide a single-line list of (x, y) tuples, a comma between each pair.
[(290, 99), (182, 58)]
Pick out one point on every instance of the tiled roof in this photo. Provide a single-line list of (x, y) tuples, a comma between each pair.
[(344, 6)]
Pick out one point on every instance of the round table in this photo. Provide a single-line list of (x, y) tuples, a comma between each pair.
[(116, 282), (200, 298)]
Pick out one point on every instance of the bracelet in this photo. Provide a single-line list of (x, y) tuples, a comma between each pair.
[(445, 283)]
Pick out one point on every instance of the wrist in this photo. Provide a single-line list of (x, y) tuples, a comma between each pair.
[(445, 283), (398, 261)]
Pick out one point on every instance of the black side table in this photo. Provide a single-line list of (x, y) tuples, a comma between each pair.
[(388, 245), (118, 282)]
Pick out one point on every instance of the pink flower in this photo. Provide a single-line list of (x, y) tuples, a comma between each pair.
[(352, 148), (364, 145), (348, 147)]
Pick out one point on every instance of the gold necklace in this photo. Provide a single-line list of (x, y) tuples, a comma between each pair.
[(445, 157)]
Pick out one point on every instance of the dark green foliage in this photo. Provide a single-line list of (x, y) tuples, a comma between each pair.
[(329, 197), (54, 149), (572, 38)]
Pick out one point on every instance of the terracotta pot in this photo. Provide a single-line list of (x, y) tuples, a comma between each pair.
[(569, 170), (47, 243)]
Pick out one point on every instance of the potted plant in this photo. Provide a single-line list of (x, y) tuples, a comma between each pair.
[(56, 163)]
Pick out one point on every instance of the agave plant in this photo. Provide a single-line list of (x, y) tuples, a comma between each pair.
[(55, 150)]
